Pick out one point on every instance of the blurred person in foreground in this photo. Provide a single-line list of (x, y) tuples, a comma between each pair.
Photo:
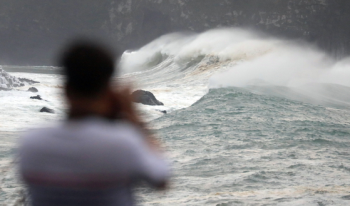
[(101, 150)]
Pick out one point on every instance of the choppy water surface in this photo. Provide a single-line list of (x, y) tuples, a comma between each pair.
[(234, 147), (251, 121)]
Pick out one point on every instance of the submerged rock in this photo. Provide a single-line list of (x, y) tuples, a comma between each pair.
[(145, 97), (33, 89), (47, 110)]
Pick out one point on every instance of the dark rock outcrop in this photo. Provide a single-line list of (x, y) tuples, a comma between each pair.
[(33, 89), (47, 110), (163, 111), (145, 97), (38, 97), (29, 81)]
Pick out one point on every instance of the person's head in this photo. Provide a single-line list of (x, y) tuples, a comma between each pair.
[(88, 68)]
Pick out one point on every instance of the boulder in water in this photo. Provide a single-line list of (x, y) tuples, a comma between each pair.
[(145, 97), (36, 97), (33, 89), (47, 110)]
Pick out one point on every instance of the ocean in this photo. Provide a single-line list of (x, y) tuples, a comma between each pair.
[(251, 119)]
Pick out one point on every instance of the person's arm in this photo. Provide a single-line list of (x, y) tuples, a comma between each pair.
[(150, 165), (146, 151)]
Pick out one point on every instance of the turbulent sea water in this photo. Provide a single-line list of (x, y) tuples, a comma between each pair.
[(251, 120)]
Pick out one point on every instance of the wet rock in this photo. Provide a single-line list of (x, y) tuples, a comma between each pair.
[(29, 81), (36, 97), (47, 110), (145, 97), (33, 89)]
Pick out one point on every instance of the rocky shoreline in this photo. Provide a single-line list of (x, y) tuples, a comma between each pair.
[(8, 82)]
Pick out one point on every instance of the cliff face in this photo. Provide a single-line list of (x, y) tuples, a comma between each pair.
[(323, 22), (32, 30)]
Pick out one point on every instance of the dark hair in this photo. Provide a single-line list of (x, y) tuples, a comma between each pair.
[(88, 67)]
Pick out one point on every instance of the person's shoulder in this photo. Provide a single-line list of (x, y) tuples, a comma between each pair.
[(125, 131), (101, 131), (39, 131), (37, 134), (127, 127), (119, 137)]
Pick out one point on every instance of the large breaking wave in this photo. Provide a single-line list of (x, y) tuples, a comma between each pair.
[(181, 67)]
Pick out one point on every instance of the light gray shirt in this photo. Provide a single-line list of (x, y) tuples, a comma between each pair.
[(87, 162)]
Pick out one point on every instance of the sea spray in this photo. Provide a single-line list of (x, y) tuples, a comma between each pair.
[(306, 73), (227, 44), (288, 64)]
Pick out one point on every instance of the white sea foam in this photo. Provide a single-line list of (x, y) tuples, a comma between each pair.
[(19, 112)]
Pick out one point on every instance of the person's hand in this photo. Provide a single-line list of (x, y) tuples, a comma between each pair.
[(123, 107)]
